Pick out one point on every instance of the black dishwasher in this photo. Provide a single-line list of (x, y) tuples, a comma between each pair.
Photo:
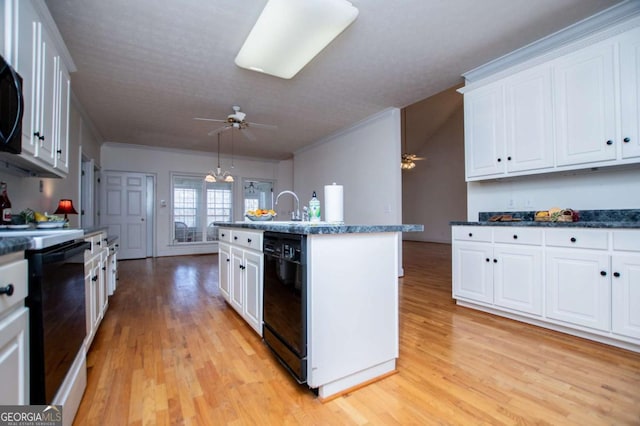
[(285, 295)]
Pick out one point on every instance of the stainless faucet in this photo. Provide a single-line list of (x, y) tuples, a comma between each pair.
[(295, 215)]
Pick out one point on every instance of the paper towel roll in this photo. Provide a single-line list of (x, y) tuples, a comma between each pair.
[(333, 203)]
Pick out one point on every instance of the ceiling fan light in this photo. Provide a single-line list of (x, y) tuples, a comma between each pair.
[(210, 177), (290, 33), (228, 178)]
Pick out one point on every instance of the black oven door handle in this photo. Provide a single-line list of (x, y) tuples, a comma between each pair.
[(66, 252)]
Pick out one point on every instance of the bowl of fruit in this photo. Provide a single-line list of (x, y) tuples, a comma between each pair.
[(260, 215)]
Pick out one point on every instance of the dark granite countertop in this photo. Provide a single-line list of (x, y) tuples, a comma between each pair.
[(320, 228), (625, 218), (13, 244)]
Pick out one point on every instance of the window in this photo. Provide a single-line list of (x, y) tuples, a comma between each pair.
[(196, 205)]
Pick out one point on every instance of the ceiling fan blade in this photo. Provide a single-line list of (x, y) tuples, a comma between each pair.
[(210, 119), (263, 126), (248, 134), (218, 130)]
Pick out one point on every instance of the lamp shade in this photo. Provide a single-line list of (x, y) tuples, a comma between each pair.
[(65, 207), (290, 33)]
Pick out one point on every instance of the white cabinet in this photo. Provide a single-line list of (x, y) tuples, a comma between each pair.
[(112, 267), (585, 105), (46, 89), (14, 331), (503, 270), (578, 287), (240, 266), (96, 290), (630, 93), (577, 280)]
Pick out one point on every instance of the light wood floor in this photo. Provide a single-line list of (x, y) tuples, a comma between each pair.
[(170, 351)]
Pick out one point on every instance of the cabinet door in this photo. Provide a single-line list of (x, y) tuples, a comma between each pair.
[(578, 288), (237, 279), (27, 54), (14, 350), (630, 93), (48, 99), (224, 270), (61, 158), (625, 288), (518, 278), (585, 105), (253, 290), (473, 272), (528, 120), (484, 131)]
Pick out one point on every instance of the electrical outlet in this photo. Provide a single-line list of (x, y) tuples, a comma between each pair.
[(511, 203)]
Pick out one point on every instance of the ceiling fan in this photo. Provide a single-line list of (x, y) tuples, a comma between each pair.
[(237, 121)]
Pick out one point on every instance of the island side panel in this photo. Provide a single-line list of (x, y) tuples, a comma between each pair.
[(353, 306)]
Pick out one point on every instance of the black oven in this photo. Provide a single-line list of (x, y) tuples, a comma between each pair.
[(285, 300), (11, 109), (57, 319)]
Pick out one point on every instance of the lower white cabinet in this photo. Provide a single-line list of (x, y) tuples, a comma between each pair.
[(578, 280), (96, 287), (14, 331), (240, 268)]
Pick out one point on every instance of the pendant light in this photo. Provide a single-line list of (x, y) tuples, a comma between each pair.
[(219, 175)]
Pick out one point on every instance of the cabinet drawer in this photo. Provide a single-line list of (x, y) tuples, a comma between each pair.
[(513, 235), (249, 239), (472, 233), (224, 234), (580, 238), (14, 274), (626, 240)]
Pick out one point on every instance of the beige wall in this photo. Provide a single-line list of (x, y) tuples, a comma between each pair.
[(24, 192), (435, 192)]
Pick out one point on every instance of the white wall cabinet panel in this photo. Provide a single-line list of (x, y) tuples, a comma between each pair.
[(252, 309), (237, 279), (585, 105), (529, 120), (61, 155), (484, 131), (578, 289), (626, 295), (630, 93)]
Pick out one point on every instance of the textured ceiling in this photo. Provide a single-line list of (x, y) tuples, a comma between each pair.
[(147, 67)]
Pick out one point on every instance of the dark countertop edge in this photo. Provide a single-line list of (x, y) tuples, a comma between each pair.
[(13, 244), (623, 225), (94, 230), (322, 228)]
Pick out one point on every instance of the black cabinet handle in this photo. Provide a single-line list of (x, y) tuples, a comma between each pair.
[(222, 235), (36, 134), (499, 160), (94, 278), (98, 243), (248, 240), (495, 260), (573, 239), (487, 259), (470, 234), (41, 137), (104, 268), (626, 140), (515, 237), (609, 142), (227, 260), (616, 274), (8, 290), (235, 238), (509, 158), (59, 152), (603, 273)]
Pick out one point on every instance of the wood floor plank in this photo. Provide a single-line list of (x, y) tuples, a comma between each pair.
[(171, 351)]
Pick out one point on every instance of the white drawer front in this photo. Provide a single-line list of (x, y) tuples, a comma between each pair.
[(628, 239), (224, 234), (472, 233), (14, 274), (580, 238), (515, 235), (248, 239)]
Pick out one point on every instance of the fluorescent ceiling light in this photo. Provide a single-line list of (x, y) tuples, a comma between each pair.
[(289, 33)]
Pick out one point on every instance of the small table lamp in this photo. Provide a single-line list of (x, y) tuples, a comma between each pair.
[(65, 207)]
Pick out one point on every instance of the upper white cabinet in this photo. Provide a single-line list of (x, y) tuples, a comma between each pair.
[(585, 105), (578, 108), (36, 54)]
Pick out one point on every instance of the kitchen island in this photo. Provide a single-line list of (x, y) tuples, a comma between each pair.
[(349, 292)]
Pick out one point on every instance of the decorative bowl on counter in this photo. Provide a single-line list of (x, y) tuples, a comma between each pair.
[(260, 215), (50, 224), (262, 218)]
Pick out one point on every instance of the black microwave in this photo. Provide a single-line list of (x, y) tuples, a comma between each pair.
[(11, 109)]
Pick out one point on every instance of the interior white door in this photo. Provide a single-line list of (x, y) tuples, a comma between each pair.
[(124, 212)]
